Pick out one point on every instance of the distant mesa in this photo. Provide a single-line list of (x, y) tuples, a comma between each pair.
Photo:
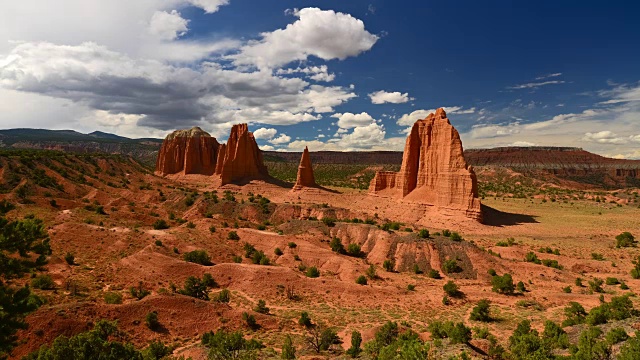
[(433, 170), (194, 151), (305, 176)]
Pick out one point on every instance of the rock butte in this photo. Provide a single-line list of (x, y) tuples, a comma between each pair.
[(433, 170), (194, 151), (305, 176)]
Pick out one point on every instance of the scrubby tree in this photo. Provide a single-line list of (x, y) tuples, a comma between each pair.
[(288, 350), (625, 239), (481, 311), (452, 289), (356, 341), (19, 241)]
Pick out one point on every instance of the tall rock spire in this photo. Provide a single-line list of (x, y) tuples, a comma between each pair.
[(434, 170), (305, 176), (191, 151)]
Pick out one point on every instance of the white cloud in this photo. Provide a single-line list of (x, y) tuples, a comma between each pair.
[(316, 73), (548, 76), (409, 119), (168, 26), (209, 6), (282, 139), (381, 97), (532, 85), (264, 133), (266, 148), (349, 120), (322, 33)]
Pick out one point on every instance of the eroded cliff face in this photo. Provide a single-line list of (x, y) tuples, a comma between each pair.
[(191, 151), (240, 158), (433, 170), (194, 151), (305, 176)]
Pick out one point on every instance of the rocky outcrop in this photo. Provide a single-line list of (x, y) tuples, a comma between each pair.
[(433, 169), (191, 151), (305, 176), (194, 151), (240, 158)]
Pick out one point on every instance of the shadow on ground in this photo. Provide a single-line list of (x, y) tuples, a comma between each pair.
[(495, 217)]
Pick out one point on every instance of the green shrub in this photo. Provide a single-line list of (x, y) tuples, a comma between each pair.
[(223, 296), (292, 245), (616, 335), (43, 282), (503, 284), (451, 266), (371, 272), (196, 288), (434, 274), (336, 245), (574, 313), (612, 281), (305, 320), (278, 251), (113, 297), (261, 307), (635, 272), (595, 285), (212, 229), (250, 320), (198, 257), (452, 289), (330, 222), (446, 233), (237, 259), (520, 287), (388, 265), (411, 287), (158, 243), (139, 292), (232, 235), (354, 249), (288, 350), (455, 236), (625, 239), (356, 341), (567, 289), (481, 311), (532, 257), (361, 280), (313, 272), (151, 319), (69, 258), (597, 256), (160, 224), (492, 272), (423, 234)]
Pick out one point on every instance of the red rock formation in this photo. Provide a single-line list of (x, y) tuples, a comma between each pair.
[(240, 158), (434, 170), (305, 176), (195, 152), (191, 151)]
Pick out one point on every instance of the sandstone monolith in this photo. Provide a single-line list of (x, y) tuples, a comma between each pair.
[(433, 169), (305, 176), (191, 151), (194, 151)]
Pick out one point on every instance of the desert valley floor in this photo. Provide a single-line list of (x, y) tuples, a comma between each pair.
[(127, 228)]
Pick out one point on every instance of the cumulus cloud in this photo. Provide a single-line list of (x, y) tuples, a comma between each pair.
[(107, 80), (315, 33), (168, 25), (282, 139), (264, 133), (349, 120), (381, 97), (266, 147)]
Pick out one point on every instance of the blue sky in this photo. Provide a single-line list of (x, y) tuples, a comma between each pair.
[(331, 75)]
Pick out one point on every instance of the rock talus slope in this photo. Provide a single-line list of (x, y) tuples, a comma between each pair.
[(434, 170), (305, 176), (191, 151)]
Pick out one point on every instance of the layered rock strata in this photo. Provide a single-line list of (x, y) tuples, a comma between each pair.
[(305, 176), (194, 151), (433, 169)]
